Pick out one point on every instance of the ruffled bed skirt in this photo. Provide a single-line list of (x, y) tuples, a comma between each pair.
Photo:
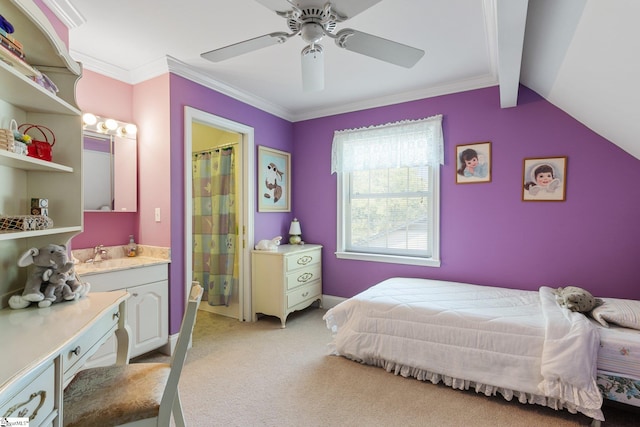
[(486, 389)]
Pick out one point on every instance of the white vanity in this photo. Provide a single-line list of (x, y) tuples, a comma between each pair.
[(146, 279)]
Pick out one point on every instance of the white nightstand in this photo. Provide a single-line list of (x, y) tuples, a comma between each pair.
[(286, 280)]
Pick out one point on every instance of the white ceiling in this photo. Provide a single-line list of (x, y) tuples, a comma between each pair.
[(581, 55)]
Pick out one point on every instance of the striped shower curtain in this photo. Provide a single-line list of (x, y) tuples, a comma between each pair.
[(214, 223)]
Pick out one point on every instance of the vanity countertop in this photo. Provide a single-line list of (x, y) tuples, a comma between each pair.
[(116, 260), (114, 264)]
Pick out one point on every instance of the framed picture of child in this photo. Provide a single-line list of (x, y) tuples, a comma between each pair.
[(544, 179), (473, 163)]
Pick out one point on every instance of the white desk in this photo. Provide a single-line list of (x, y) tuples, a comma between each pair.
[(43, 348)]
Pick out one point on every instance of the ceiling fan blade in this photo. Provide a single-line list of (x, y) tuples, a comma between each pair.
[(379, 48), (313, 68), (350, 8), (277, 5), (246, 46)]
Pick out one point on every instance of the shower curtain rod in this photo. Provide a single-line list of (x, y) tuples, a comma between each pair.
[(216, 148)]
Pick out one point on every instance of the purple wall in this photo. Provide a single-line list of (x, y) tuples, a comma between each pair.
[(269, 130), (488, 235)]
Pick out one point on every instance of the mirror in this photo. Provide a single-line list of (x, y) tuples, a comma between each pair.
[(109, 170)]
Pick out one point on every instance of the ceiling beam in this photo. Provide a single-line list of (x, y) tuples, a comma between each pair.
[(511, 19)]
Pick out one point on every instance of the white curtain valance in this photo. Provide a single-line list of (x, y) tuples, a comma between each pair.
[(401, 144)]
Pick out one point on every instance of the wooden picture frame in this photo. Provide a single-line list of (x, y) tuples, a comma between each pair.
[(544, 179), (473, 163), (274, 180)]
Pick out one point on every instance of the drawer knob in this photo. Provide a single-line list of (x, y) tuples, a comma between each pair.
[(303, 278), (304, 260), (306, 294), (76, 351), (116, 315)]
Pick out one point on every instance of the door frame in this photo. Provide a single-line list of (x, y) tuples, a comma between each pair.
[(246, 214)]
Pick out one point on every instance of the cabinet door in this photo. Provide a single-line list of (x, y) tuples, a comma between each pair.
[(147, 316)]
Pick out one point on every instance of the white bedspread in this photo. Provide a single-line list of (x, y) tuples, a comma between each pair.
[(517, 343)]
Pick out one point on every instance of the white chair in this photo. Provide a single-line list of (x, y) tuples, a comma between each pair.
[(137, 394)]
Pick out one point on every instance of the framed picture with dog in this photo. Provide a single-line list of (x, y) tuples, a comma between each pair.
[(274, 180)]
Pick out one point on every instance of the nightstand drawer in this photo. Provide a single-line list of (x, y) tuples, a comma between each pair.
[(308, 292), (303, 259), (303, 276)]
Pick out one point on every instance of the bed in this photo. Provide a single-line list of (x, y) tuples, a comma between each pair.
[(519, 344), (618, 363)]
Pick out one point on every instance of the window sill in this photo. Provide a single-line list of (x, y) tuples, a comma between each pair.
[(391, 259)]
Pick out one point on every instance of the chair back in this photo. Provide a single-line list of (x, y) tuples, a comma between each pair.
[(180, 352)]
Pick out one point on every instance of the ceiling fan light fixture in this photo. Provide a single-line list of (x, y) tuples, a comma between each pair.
[(313, 68)]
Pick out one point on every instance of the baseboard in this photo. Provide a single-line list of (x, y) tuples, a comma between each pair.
[(170, 345), (329, 301)]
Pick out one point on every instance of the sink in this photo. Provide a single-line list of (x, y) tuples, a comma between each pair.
[(116, 264)]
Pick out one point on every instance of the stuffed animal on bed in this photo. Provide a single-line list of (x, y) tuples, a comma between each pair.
[(50, 261), (576, 299)]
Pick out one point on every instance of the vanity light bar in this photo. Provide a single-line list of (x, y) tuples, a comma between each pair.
[(93, 123)]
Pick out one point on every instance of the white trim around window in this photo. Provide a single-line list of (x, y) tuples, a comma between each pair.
[(434, 231)]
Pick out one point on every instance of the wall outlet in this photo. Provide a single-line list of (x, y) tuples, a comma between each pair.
[(157, 214)]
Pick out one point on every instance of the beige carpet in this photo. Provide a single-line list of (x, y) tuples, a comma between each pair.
[(257, 374)]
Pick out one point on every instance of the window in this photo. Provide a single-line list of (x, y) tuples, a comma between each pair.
[(388, 192)]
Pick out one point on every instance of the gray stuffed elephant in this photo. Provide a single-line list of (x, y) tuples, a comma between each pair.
[(51, 262)]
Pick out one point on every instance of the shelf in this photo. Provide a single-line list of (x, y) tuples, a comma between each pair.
[(21, 91), (11, 235), (19, 161)]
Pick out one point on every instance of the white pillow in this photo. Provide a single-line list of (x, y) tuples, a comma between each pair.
[(623, 312)]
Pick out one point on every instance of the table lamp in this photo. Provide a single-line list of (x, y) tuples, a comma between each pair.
[(295, 232)]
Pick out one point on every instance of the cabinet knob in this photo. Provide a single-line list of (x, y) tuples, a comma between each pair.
[(76, 351), (304, 260), (303, 278)]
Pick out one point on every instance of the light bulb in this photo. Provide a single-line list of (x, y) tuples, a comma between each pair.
[(111, 124), (131, 129), (89, 119)]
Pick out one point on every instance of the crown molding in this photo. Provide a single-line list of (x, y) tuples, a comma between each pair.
[(413, 95), (66, 12), (179, 68), (101, 67), (188, 72)]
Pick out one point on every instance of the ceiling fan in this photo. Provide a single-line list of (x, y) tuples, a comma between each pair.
[(313, 20)]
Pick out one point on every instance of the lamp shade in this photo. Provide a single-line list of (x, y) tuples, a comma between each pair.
[(294, 229)]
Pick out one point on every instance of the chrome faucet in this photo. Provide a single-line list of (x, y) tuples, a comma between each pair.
[(99, 253)]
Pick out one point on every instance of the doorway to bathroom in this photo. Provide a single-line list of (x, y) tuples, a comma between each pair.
[(219, 211)]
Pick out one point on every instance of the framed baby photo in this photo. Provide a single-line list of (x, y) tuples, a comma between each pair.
[(544, 179), (473, 163), (274, 180)]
